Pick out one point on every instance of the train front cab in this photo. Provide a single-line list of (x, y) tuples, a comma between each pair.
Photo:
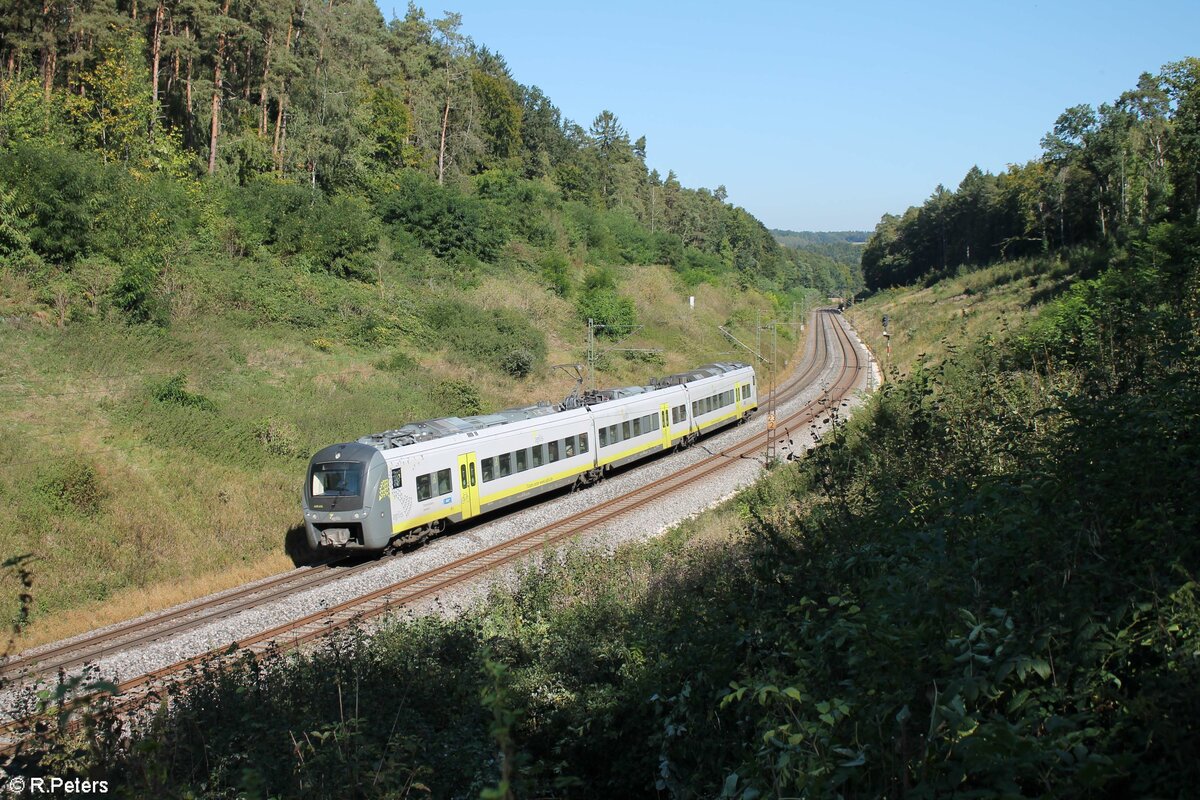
[(347, 498)]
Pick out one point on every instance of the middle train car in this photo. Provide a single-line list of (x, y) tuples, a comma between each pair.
[(407, 483)]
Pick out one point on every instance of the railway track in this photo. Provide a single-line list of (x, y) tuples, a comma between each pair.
[(144, 630), (829, 335)]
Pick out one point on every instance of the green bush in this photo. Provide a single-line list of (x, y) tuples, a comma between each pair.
[(135, 293), (605, 307), (446, 222), (173, 391), (517, 363), (399, 361), (555, 271), (71, 486), (500, 339), (337, 234), (61, 190), (456, 398)]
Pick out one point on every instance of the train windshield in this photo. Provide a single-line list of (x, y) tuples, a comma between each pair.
[(337, 479)]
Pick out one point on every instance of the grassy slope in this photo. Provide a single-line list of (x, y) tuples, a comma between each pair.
[(923, 321), (190, 499)]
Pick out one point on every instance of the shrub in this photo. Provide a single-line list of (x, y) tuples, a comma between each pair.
[(518, 363), (398, 361), (135, 294), (71, 486), (488, 337), (59, 188), (605, 307), (555, 268), (444, 221), (457, 397), (173, 391)]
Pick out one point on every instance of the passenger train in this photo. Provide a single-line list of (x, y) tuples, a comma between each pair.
[(403, 485)]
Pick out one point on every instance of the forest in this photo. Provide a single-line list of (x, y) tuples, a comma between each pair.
[(384, 136), (1105, 177)]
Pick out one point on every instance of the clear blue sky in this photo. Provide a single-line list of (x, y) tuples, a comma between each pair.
[(824, 116)]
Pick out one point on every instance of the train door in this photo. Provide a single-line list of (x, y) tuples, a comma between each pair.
[(665, 413), (738, 389), (468, 479)]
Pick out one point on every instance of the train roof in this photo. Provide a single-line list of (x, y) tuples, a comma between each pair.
[(699, 373), (430, 429)]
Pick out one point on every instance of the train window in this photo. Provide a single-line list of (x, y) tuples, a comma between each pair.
[(654, 425), (624, 430), (487, 466), (443, 482), (603, 437), (568, 447), (522, 460), (539, 455), (505, 465), (637, 427), (397, 482), (424, 488), (552, 447), (341, 479), (614, 434), (682, 412), (583, 445)]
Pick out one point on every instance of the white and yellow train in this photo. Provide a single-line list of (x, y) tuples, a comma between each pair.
[(402, 485)]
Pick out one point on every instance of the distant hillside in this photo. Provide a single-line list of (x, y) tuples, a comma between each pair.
[(844, 247)]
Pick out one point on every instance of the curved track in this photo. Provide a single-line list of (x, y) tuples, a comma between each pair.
[(831, 337)]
